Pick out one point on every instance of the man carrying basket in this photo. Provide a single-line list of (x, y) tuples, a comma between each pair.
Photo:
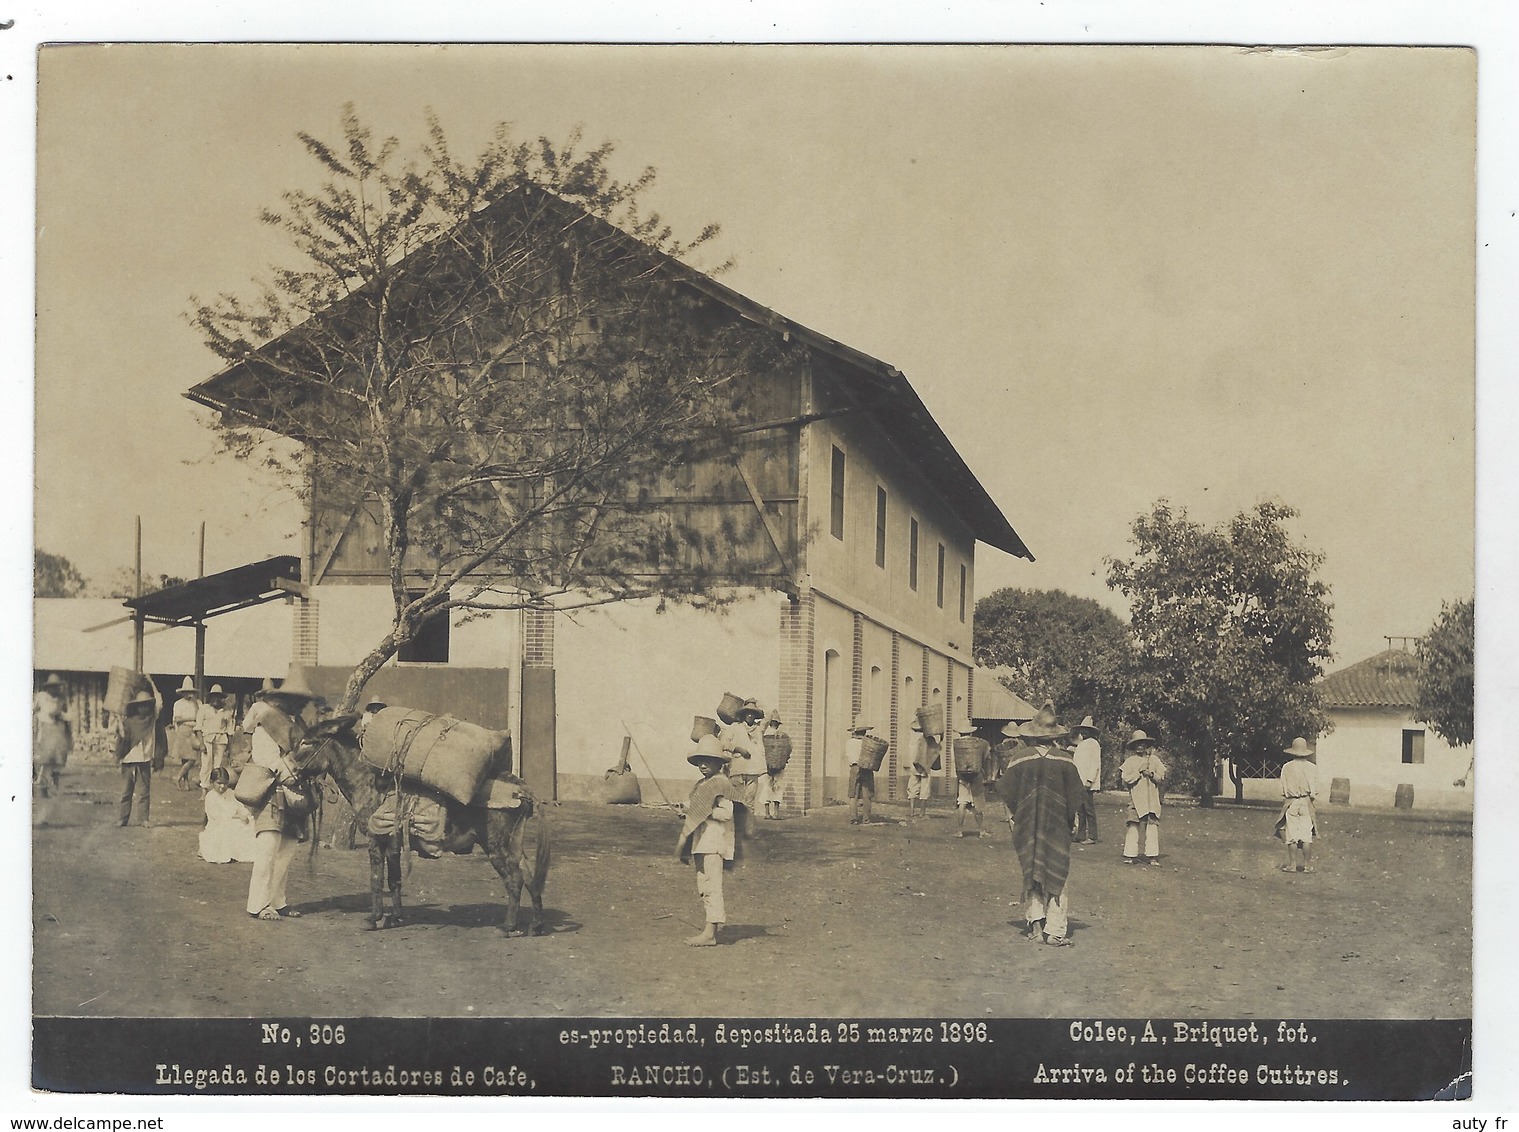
[(863, 751)]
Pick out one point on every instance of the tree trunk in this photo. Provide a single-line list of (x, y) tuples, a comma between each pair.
[(366, 668)]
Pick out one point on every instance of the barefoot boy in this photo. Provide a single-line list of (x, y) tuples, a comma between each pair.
[(706, 839)]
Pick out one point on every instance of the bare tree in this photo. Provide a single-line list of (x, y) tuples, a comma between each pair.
[(503, 359)]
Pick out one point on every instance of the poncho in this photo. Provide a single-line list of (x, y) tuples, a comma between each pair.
[(1043, 792)]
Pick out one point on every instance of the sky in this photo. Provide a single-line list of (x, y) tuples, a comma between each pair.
[(1203, 274)]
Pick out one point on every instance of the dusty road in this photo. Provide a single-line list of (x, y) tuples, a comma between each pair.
[(829, 919)]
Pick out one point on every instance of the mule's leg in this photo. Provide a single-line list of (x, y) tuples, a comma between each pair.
[(376, 884), (504, 847), (393, 865)]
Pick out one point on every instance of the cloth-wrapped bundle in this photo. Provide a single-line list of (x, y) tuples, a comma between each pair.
[(437, 751)]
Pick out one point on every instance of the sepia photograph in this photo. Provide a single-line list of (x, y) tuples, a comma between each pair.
[(853, 570)]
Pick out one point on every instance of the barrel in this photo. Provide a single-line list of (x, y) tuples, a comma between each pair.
[(872, 752), (729, 707), (703, 725), (777, 752), (931, 719), (1404, 799), (1339, 791)]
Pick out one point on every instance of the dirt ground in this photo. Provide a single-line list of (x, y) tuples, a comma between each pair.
[(829, 919)]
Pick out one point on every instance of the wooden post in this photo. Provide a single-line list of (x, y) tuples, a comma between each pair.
[(137, 592), (200, 626)]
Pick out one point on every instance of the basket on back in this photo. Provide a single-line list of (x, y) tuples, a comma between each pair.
[(438, 751), (729, 707), (703, 725), (971, 756), (872, 752), (777, 752), (931, 719)]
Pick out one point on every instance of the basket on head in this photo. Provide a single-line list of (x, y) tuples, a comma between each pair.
[(970, 756), (872, 752), (931, 719), (777, 752), (729, 707), (703, 725)]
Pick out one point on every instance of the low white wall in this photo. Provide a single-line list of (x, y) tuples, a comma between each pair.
[(655, 672)]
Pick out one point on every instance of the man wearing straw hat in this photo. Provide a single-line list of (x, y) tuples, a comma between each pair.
[(1298, 821), (52, 734), (1043, 792), (744, 740), (279, 824), (769, 794), (970, 782), (1088, 759), (139, 748), (1144, 774), (707, 838), (927, 750), (184, 743), (862, 781), (213, 725)]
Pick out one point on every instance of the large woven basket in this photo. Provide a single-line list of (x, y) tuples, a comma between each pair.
[(729, 707), (777, 752), (703, 725), (872, 752), (931, 719), (970, 757)]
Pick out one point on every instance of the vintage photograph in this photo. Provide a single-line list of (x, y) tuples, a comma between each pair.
[(611, 535)]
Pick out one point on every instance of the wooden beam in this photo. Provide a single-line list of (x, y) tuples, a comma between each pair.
[(759, 505)]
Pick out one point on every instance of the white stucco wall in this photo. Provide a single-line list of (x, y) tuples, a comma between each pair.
[(655, 672), (352, 619), (1366, 747)]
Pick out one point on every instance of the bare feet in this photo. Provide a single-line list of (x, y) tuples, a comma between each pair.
[(705, 939)]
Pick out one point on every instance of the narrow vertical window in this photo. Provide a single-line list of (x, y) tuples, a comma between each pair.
[(940, 597), (881, 527), (912, 557), (836, 509), (962, 592), (1413, 746)]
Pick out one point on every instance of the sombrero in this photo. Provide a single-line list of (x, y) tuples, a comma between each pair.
[(1299, 749), (708, 748), (1139, 739), (1043, 726)]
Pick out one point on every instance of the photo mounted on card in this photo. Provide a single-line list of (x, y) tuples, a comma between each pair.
[(810, 571)]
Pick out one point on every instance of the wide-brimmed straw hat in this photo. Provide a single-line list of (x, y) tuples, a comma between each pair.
[(773, 717), (374, 702), (1044, 725), (53, 681), (861, 725), (143, 697), (264, 689), (1137, 740), (965, 727), (1299, 749), (215, 690), (1086, 725), (187, 688), (751, 707), (295, 685), (708, 748), (1011, 728)]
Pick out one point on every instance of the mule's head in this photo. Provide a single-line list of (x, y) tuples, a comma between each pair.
[(324, 742)]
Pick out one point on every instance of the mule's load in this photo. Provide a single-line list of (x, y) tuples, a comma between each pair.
[(438, 751)]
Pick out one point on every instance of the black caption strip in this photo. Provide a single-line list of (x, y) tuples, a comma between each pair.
[(1161, 1059)]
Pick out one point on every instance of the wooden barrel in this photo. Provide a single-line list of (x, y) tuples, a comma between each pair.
[(777, 752), (729, 707), (931, 719), (703, 725), (1339, 792), (1404, 799), (970, 756), (872, 752)]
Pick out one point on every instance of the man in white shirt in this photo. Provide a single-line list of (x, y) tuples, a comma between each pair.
[(1088, 760), (137, 749)]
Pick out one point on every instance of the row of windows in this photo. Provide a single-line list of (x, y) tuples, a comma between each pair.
[(836, 528)]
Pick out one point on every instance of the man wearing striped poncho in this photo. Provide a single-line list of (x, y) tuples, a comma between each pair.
[(1043, 792)]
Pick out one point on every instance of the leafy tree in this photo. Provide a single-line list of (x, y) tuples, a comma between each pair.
[(53, 575), (501, 361), (122, 583), (1059, 647), (1446, 697), (1231, 631)]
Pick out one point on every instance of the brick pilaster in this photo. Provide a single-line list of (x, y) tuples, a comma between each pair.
[(951, 718), (305, 631), (538, 638), (857, 670), (896, 715), (798, 661)]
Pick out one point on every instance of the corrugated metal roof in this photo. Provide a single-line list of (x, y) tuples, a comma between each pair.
[(1388, 679), (994, 702), (886, 396), (221, 593)]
